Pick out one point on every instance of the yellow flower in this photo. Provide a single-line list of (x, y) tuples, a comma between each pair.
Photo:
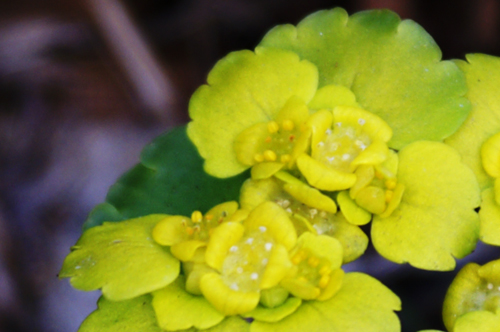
[(247, 257)]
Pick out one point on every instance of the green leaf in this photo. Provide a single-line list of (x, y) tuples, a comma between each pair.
[(230, 324), (170, 179), (392, 66), (362, 304), (244, 89), (176, 309), (483, 321), (132, 315), (490, 218), (435, 220), (483, 74), (122, 259)]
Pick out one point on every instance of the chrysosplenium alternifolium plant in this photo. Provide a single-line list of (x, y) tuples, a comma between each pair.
[(242, 220)]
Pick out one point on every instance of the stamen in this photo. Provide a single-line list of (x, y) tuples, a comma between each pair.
[(239, 269), (250, 240), (272, 127), (388, 195), (323, 281), (328, 131), (234, 287), (291, 138), (258, 158), (299, 257), (286, 203), (288, 125), (262, 229), (321, 144), (254, 276), (268, 246), (325, 270), (313, 212), (346, 156), (189, 230), (490, 286), (209, 217), (390, 184), (264, 261), (233, 249), (196, 216), (361, 121), (268, 139), (270, 155), (313, 261)]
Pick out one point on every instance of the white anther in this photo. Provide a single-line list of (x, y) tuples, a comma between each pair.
[(250, 240), (254, 276), (346, 156), (490, 286), (328, 131), (264, 261), (233, 249), (323, 214), (239, 269), (234, 286), (338, 124), (262, 229), (286, 203), (361, 121), (289, 210), (313, 212), (268, 246), (321, 144), (330, 159)]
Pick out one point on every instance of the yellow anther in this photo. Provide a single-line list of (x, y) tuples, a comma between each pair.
[(272, 127), (390, 184), (325, 270), (285, 158), (270, 155), (299, 257), (313, 261), (189, 230), (379, 175), (196, 216), (268, 139), (288, 125), (209, 217), (323, 281), (258, 158), (388, 195)]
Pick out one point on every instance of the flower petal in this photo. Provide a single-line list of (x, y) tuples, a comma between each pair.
[(227, 301), (176, 309), (243, 89), (102, 259), (392, 66), (276, 314), (323, 177), (223, 238), (330, 96), (435, 220)]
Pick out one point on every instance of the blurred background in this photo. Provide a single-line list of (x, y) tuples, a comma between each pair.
[(85, 84)]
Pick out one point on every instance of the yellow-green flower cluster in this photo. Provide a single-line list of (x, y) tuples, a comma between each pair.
[(341, 122)]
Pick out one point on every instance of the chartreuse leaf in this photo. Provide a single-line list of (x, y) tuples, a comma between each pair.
[(132, 315), (393, 67), (435, 220), (244, 89), (176, 309), (230, 324), (170, 179), (361, 304), (122, 259), (490, 218), (483, 74)]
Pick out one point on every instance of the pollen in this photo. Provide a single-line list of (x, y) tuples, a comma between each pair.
[(196, 217), (272, 127), (299, 257), (189, 230), (325, 270), (313, 261), (270, 155), (288, 125)]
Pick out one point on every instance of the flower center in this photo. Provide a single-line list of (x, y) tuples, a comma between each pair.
[(279, 142), (246, 261), (341, 145), (311, 269)]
